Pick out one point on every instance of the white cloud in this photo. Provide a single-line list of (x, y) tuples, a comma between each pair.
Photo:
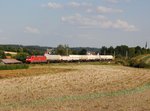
[(33, 30), (87, 7), (102, 9), (53, 5), (112, 1), (116, 1), (89, 10), (98, 22), (77, 4), (85, 4), (74, 4), (120, 24)]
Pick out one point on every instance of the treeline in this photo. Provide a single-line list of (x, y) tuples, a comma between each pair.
[(122, 51)]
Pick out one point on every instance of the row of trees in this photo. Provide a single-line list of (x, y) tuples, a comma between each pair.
[(124, 51), (118, 51), (65, 50)]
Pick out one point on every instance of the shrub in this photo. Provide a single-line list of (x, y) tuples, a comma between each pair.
[(122, 62), (140, 62), (22, 57)]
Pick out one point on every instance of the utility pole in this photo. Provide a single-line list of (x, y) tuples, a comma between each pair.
[(104, 52), (67, 50)]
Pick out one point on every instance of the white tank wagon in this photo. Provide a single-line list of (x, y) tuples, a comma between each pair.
[(83, 58), (93, 57), (74, 58), (53, 58), (106, 57), (66, 58)]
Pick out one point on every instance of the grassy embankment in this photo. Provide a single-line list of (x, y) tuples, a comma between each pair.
[(142, 61)]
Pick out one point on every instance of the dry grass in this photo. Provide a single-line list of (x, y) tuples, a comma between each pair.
[(89, 88)]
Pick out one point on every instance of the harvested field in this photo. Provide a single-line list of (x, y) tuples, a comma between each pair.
[(82, 88)]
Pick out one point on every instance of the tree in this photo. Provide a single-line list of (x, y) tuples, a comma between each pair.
[(111, 50), (122, 50), (103, 50), (131, 52), (62, 50), (22, 56), (2, 54), (144, 51), (83, 52), (74, 52), (138, 50)]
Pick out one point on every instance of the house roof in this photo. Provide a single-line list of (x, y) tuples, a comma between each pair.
[(12, 53), (11, 61)]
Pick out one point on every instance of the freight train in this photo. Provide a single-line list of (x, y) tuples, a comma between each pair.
[(47, 58)]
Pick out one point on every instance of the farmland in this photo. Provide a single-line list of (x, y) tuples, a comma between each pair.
[(75, 87)]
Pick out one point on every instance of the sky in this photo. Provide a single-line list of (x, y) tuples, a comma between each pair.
[(77, 23)]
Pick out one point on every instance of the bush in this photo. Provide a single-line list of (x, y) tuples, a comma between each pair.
[(122, 62), (14, 66), (21, 57), (140, 62)]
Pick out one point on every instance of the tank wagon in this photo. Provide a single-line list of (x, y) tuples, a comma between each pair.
[(53, 58), (106, 57), (71, 58)]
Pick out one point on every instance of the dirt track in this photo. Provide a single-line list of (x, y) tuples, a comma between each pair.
[(89, 88)]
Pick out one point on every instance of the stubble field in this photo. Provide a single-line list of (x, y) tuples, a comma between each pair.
[(75, 88)]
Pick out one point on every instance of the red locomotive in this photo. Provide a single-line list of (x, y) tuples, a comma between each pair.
[(36, 59)]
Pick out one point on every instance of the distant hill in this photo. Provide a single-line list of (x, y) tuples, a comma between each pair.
[(142, 61), (37, 50), (10, 47)]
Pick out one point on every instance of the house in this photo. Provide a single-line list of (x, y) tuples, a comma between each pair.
[(11, 53)]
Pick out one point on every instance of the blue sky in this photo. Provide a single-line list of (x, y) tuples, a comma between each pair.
[(85, 23)]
